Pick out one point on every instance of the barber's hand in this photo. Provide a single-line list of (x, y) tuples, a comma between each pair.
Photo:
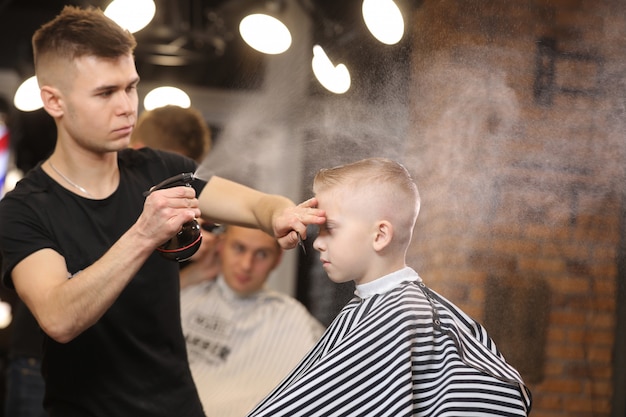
[(200, 270), (294, 220), (165, 211)]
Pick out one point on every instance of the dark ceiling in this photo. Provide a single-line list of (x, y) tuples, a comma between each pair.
[(175, 20), (209, 50)]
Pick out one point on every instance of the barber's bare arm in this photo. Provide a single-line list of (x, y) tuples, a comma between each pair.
[(229, 202), (66, 307)]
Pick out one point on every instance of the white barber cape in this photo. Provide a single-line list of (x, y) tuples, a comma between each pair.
[(240, 348), (400, 349)]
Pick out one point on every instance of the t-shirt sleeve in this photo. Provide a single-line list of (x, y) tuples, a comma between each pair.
[(21, 235)]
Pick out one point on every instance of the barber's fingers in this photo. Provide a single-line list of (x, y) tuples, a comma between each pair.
[(289, 241), (175, 198), (166, 210), (294, 220), (308, 214)]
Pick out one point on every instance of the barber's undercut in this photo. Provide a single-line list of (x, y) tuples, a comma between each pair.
[(77, 32)]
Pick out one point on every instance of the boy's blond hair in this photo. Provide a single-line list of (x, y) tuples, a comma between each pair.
[(385, 187)]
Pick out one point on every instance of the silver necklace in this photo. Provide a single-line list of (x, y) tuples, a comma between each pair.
[(69, 181)]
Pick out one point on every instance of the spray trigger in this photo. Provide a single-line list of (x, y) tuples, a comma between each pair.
[(181, 179)]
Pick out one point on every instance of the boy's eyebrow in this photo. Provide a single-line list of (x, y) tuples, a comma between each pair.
[(329, 223)]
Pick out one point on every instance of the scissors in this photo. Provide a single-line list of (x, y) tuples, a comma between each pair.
[(301, 243)]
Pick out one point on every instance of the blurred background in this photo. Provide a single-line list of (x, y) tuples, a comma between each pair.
[(510, 115)]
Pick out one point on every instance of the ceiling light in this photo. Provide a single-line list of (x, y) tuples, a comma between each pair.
[(334, 78), (265, 33), (132, 15), (163, 96), (5, 314), (27, 97), (384, 20)]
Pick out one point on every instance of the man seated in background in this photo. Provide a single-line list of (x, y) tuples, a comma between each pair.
[(242, 339)]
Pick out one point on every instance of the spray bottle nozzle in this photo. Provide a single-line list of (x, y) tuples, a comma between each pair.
[(181, 179)]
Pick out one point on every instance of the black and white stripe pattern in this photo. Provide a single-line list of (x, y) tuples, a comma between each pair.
[(238, 347), (407, 352)]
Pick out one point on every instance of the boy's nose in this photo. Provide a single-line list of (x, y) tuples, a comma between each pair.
[(318, 244)]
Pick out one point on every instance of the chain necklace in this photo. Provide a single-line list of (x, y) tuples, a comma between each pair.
[(69, 181)]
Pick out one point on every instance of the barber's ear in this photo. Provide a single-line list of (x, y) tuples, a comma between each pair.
[(51, 101), (384, 235)]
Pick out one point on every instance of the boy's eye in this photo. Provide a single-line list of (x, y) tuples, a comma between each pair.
[(326, 228)]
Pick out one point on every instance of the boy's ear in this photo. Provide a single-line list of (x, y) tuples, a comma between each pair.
[(384, 235)]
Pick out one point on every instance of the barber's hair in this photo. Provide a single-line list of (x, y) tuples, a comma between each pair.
[(176, 129), (385, 182), (77, 32)]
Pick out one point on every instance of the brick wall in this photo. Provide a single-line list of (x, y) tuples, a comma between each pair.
[(518, 147)]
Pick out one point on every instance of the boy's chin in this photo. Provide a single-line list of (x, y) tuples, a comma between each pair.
[(338, 280)]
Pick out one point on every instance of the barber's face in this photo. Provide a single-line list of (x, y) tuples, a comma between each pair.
[(248, 256), (99, 104)]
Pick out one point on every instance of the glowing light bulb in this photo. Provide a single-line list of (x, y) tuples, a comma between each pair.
[(265, 33), (132, 15), (27, 97), (5, 315), (384, 20), (162, 96), (334, 78)]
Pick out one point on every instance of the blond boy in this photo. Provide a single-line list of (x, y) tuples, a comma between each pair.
[(397, 348)]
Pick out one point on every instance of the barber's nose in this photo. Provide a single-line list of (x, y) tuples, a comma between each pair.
[(127, 104)]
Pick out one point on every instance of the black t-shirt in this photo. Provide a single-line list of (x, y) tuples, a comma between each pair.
[(26, 335), (133, 361)]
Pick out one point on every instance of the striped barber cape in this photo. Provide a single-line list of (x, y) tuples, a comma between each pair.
[(400, 349)]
